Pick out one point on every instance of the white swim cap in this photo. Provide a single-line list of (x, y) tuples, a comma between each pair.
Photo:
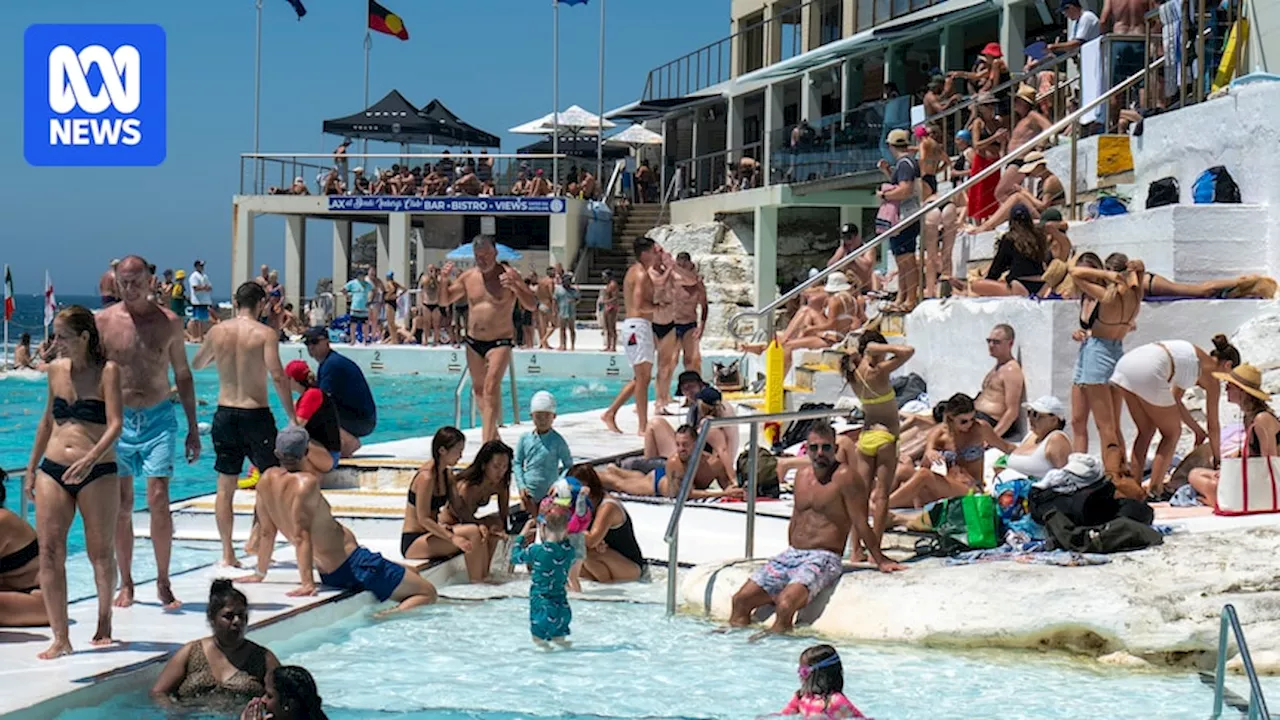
[(543, 401)]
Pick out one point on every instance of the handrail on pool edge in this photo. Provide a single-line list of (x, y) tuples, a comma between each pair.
[(462, 383), (1257, 703), (672, 535)]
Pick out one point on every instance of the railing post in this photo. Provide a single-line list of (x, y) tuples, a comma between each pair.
[(753, 466), (1219, 676), (1072, 200), (515, 396), (1205, 72), (475, 400), (23, 504)]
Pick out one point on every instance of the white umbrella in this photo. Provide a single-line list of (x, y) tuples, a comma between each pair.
[(573, 121), (636, 136)]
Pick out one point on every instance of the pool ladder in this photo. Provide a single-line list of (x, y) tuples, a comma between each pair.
[(1257, 703), (465, 379)]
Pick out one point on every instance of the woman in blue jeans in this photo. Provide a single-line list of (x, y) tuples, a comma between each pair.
[(1110, 298)]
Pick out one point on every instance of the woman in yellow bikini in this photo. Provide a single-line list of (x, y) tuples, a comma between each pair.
[(867, 372)]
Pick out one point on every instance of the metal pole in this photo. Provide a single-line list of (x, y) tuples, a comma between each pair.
[(600, 127), (1075, 134), (673, 564), (368, 45), (753, 462), (555, 93), (515, 396), (257, 97)]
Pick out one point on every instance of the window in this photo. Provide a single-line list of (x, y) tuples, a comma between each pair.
[(751, 43), (830, 21)]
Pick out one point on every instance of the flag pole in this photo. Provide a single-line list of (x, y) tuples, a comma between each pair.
[(368, 44), (257, 95), (555, 94), (5, 355), (600, 125)]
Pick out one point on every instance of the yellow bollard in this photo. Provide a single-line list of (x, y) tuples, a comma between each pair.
[(774, 393)]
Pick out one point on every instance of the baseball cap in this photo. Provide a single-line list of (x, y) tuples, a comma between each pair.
[(297, 370), (1062, 6), (687, 377), (314, 333), (198, 262), (542, 401), (709, 395), (291, 442), (899, 138), (993, 48), (1020, 213), (391, 274), (1050, 215), (1047, 405), (848, 230)]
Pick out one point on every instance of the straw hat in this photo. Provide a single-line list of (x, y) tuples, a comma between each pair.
[(1032, 160), (1027, 94), (1246, 377)]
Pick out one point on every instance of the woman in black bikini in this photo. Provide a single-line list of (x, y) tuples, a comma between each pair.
[(21, 602), (424, 536), (1022, 255), (1110, 299), (76, 439), (488, 476), (613, 555)]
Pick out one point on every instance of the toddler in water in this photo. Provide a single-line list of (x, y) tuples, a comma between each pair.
[(569, 493), (821, 693), (549, 562)]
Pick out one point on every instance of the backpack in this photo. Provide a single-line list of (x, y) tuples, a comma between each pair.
[(1215, 185), (799, 429), (766, 473), (964, 523), (1163, 192), (1111, 205)]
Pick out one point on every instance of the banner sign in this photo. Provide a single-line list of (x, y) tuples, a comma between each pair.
[(462, 205)]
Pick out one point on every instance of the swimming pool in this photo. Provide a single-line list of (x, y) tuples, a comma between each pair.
[(408, 406), (475, 660)]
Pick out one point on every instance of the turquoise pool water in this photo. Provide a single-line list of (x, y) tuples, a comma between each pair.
[(408, 406), (475, 660)]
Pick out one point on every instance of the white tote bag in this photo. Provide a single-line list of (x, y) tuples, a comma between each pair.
[(1250, 486)]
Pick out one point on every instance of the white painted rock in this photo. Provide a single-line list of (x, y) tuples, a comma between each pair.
[(1259, 343)]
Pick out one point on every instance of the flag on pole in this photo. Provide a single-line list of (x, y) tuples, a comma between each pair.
[(385, 21), (50, 301), (9, 306), (298, 7)]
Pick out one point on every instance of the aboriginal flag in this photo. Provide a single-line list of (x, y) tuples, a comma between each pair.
[(385, 21)]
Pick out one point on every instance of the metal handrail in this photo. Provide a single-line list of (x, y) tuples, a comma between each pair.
[(1014, 80), (937, 201), (686, 483), (1257, 703), (23, 501), (465, 378)]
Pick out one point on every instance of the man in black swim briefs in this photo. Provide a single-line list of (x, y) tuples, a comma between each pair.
[(491, 290)]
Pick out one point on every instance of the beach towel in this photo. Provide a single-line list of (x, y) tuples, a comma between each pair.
[(1171, 35)]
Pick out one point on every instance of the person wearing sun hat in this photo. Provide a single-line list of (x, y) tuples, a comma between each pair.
[(903, 190), (1262, 428), (1046, 446)]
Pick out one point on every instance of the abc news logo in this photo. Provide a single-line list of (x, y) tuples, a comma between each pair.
[(69, 89), (94, 95)]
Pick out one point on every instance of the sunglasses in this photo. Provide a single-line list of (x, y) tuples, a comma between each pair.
[(312, 341), (994, 341), (815, 448)]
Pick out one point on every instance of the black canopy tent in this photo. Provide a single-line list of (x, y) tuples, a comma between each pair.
[(394, 119), (577, 146), (449, 125)]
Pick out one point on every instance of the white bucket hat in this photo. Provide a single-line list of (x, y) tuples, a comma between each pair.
[(837, 282), (1047, 405)]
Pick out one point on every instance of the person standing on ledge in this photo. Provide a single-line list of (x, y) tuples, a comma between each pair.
[(491, 290), (246, 352), (146, 341), (637, 333), (201, 300), (343, 381)]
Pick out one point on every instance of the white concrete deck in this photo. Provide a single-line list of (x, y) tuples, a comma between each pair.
[(145, 633)]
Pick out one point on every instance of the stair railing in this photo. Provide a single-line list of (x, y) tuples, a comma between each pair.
[(465, 380), (764, 316), (1257, 703), (677, 180)]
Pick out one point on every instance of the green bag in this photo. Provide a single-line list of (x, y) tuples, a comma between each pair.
[(965, 523)]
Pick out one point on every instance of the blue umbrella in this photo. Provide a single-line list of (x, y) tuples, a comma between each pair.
[(468, 253)]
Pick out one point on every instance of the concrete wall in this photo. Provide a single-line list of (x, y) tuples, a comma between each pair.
[(567, 231), (951, 353), (707, 207)]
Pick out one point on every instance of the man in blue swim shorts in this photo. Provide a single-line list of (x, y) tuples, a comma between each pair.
[(829, 501), (146, 341), (289, 501)]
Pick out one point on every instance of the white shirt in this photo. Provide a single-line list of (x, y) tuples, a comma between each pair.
[(1085, 29), (198, 297)]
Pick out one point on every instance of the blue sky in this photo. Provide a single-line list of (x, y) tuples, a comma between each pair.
[(488, 60)]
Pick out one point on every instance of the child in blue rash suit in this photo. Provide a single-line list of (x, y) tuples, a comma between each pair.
[(541, 456), (549, 562)]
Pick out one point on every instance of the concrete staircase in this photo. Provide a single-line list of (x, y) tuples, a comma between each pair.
[(639, 220)]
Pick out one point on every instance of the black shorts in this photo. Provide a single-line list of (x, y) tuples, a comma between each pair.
[(358, 425), (1014, 431), (240, 433)]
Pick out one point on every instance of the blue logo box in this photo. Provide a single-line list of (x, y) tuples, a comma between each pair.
[(94, 95)]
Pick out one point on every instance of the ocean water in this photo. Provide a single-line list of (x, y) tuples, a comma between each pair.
[(475, 660), (408, 406)]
